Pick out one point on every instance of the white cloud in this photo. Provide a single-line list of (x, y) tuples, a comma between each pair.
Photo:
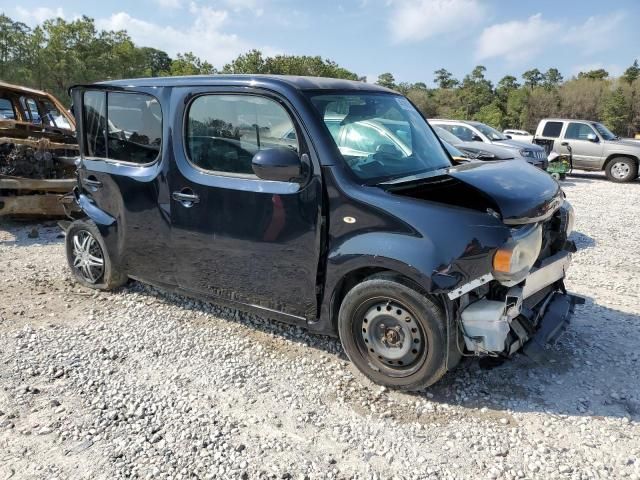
[(204, 37), (38, 15), (595, 34), (519, 41), (415, 20)]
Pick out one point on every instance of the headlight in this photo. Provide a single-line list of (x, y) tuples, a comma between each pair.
[(512, 262), (571, 217), (526, 153)]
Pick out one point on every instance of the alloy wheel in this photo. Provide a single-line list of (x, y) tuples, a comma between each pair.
[(88, 258)]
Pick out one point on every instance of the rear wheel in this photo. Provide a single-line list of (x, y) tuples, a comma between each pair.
[(394, 334), (622, 169), (89, 259)]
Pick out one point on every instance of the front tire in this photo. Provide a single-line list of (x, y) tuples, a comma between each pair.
[(395, 335), (621, 169), (88, 258)]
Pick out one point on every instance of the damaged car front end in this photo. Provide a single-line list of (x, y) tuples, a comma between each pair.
[(519, 300)]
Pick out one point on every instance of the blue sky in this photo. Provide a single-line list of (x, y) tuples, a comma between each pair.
[(410, 38)]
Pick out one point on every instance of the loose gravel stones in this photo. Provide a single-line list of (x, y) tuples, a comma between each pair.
[(140, 383)]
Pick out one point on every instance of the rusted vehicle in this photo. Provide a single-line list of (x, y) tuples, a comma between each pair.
[(38, 148)]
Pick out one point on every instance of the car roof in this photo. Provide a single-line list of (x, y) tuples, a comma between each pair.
[(19, 88), (296, 82), (567, 120), (448, 120)]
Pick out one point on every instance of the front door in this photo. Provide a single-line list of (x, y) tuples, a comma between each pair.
[(587, 153), (234, 235)]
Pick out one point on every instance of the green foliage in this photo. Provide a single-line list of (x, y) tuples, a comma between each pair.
[(444, 79), (552, 78), (255, 62), (189, 64), (632, 73), (616, 113), (532, 78), (386, 80), (599, 74), (58, 53)]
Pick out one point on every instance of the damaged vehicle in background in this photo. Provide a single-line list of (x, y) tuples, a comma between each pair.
[(410, 260), (476, 151), (483, 135), (38, 149)]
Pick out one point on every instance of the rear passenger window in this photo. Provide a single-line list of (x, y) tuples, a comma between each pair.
[(122, 126), (224, 132), (578, 131), (552, 129), (31, 110)]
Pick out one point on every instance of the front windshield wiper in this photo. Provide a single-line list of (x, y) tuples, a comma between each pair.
[(410, 177)]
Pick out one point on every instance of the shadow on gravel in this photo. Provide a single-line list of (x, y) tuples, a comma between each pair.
[(585, 374), (28, 232), (582, 240), (589, 372)]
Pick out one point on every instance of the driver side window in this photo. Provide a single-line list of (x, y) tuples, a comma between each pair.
[(578, 131), (463, 133), (225, 131)]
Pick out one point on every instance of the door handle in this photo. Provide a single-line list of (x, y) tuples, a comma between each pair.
[(186, 197), (92, 183)]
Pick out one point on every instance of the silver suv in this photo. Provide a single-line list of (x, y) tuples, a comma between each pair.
[(594, 147), (470, 131)]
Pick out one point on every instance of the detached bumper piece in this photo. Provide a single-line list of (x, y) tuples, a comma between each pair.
[(554, 322)]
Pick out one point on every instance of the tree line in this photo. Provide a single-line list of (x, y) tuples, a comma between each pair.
[(58, 53)]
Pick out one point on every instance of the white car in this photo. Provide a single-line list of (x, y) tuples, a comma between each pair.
[(521, 135)]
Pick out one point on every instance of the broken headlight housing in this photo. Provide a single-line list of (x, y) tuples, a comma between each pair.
[(512, 261)]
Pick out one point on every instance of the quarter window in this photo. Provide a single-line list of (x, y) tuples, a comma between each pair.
[(578, 131), (552, 129), (224, 132), (6, 109), (122, 126)]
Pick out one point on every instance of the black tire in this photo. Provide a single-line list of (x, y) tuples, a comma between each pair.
[(622, 169), (415, 318), (82, 261)]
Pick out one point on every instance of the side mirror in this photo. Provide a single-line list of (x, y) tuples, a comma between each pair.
[(279, 164), (509, 136), (476, 138), (592, 137)]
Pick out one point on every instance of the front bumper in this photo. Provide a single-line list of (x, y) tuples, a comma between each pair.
[(535, 313)]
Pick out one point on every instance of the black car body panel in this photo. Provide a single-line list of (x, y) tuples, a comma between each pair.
[(288, 249)]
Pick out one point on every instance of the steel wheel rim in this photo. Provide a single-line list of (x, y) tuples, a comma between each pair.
[(620, 170), (389, 337), (88, 258)]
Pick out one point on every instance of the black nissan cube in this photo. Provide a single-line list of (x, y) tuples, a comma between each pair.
[(329, 204)]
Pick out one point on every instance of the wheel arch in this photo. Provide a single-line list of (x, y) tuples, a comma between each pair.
[(356, 276), (613, 156)]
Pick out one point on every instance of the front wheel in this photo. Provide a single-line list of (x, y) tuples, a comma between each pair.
[(89, 259), (394, 334), (622, 169)]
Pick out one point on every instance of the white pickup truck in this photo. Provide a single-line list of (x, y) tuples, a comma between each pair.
[(594, 147)]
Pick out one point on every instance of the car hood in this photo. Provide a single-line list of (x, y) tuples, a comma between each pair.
[(515, 190), (626, 143), (501, 153), (516, 145)]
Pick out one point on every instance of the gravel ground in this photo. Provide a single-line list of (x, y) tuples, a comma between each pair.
[(144, 384)]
